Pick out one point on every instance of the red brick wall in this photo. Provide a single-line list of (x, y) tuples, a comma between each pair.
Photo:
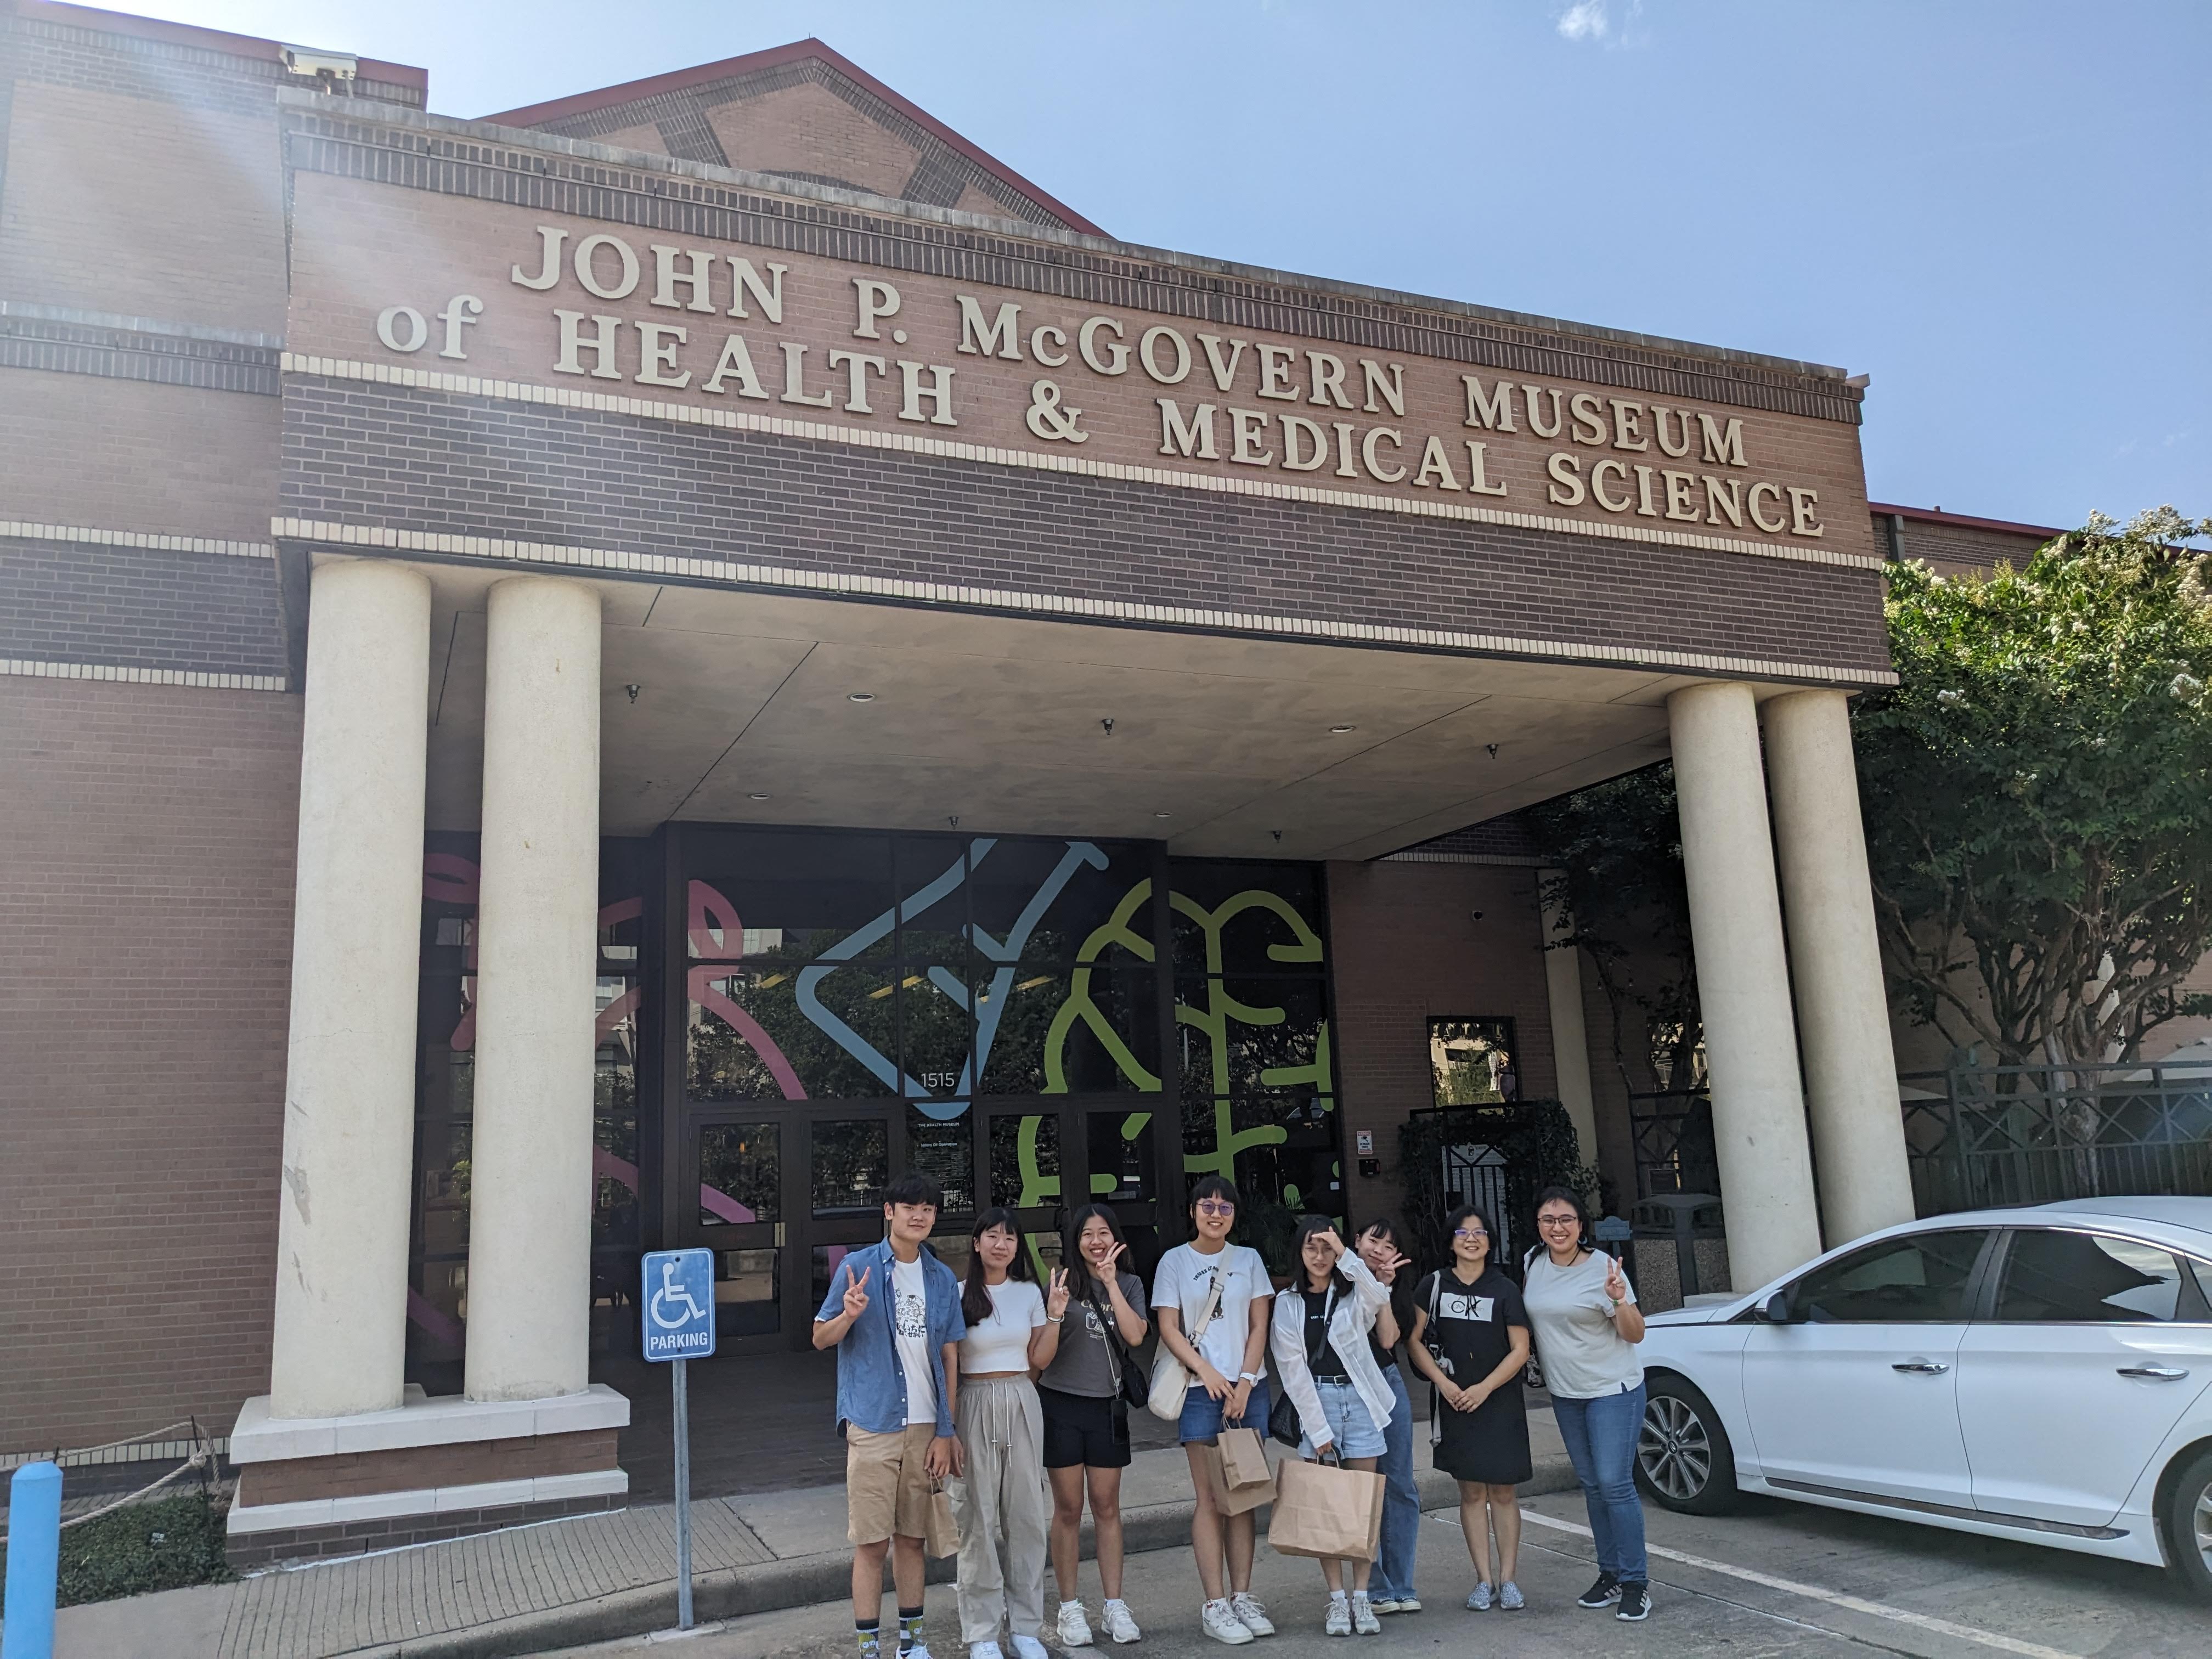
[(145, 901), (1406, 947)]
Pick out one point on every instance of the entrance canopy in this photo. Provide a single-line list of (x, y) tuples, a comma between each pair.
[(768, 708)]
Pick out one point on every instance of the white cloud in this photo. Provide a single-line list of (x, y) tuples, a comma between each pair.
[(1585, 21)]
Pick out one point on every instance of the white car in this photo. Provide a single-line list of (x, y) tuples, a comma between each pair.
[(2043, 1375)]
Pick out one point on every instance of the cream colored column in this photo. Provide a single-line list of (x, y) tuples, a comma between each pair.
[(1563, 982), (529, 1232), (341, 1329), (1835, 960), (1743, 983)]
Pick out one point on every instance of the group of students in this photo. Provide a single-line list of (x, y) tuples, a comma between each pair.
[(1011, 1398)]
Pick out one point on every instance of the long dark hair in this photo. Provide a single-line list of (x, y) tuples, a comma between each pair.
[(975, 1295), (1311, 1226), (1079, 1282), (1585, 1238)]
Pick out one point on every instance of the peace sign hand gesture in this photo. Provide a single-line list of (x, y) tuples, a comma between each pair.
[(1616, 1283), (1055, 1296), (1106, 1267), (1385, 1262), (856, 1294)]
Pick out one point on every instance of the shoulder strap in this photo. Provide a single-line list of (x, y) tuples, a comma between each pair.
[(1212, 1302)]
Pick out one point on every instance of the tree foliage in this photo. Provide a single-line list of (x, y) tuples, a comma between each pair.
[(1616, 849), (2039, 791)]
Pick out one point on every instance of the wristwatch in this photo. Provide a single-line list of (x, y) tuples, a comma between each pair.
[(1248, 1376)]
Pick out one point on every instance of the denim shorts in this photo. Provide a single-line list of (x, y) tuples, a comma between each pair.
[(1201, 1414), (1349, 1424)]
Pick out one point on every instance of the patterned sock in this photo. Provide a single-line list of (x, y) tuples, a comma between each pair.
[(909, 1628), (871, 1637)]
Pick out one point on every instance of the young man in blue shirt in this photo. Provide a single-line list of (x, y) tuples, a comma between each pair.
[(893, 1315)]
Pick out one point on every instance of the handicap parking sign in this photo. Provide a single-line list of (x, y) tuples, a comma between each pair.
[(679, 1302)]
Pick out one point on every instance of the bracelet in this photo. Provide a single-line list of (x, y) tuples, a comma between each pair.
[(1054, 1319)]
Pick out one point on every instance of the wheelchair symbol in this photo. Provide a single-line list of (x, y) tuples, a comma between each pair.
[(675, 1295)]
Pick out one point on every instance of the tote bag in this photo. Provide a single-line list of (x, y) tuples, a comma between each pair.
[(1171, 1376)]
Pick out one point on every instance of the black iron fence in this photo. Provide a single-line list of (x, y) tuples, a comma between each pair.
[(1994, 1135)]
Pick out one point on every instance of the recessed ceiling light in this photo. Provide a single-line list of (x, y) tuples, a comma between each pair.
[(1163, 815), (1339, 730), (860, 696), (755, 797)]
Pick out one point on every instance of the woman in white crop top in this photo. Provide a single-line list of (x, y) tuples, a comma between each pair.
[(1013, 1329)]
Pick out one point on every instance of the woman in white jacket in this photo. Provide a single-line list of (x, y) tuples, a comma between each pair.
[(1327, 1369)]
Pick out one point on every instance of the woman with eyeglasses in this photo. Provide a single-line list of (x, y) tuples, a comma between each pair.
[(1213, 1300), (1471, 1340), (1584, 1312)]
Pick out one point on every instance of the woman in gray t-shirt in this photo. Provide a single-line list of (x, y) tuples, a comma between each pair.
[(1582, 1312), (1086, 1421)]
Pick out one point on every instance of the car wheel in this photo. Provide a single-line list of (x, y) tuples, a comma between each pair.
[(2188, 1520), (1683, 1459)]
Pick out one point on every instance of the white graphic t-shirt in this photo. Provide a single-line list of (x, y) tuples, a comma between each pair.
[(910, 1318), (1185, 1282)]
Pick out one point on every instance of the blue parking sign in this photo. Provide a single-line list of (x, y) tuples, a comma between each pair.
[(679, 1302)]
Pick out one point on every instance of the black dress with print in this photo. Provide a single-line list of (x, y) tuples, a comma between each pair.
[(1471, 1323)]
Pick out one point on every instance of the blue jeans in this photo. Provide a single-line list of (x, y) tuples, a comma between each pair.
[(1600, 1436), (1401, 1499)]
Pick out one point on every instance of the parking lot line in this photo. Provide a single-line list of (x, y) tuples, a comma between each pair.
[(1989, 1638)]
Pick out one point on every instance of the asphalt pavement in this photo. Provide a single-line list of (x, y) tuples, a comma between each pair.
[(1774, 1579)]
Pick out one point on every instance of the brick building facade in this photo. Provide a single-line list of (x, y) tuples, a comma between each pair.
[(840, 522)]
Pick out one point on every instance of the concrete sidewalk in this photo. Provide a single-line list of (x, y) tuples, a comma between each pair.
[(590, 1579)]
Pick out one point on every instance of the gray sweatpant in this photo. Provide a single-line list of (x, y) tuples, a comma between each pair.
[(1003, 1509)]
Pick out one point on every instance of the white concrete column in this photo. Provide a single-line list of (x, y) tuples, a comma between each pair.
[(1743, 983), (530, 1219), (340, 1339), (1563, 983), (1835, 960)]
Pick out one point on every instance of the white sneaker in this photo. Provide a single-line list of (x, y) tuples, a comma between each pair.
[(1385, 1604), (1337, 1621), (1409, 1604), (983, 1651), (1028, 1647), (1223, 1625), (919, 1651), (1250, 1614), (1364, 1621), (1114, 1616), (1075, 1628)]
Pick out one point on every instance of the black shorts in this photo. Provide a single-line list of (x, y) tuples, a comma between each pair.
[(1081, 1430)]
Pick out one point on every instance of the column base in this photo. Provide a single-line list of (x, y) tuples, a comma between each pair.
[(434, 1469)]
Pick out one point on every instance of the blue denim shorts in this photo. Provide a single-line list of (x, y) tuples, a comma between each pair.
[(1201, 1414), (1351, 1428)]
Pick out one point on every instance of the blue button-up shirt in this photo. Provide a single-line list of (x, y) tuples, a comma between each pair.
[(871, 1381)]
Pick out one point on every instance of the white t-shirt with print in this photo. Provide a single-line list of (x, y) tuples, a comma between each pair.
[(1185, 1282), (910, 1319)]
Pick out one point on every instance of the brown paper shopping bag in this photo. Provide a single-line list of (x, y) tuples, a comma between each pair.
[(1243, 1461), (943, 1538), (1326, 1511), (1234, 1500)]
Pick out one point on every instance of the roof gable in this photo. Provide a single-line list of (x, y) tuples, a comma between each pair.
[(801, 111)]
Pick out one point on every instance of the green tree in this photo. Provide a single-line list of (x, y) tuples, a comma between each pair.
[(2039, 793)]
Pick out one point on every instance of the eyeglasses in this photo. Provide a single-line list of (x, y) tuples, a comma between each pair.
[(1556, 1221), (1216, 1206), (1470, 1232)]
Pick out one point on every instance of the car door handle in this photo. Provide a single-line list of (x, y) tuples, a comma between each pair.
[(1920, 1367), (2154, 1373)]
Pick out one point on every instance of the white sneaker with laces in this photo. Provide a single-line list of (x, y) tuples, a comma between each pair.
[(983, 1651), (1075, 1628), (1364, 1621), (1118, 1624), (1250, 1614), (1223, 1625), (1337, 1621), (1028, 1647), (919, 1651)]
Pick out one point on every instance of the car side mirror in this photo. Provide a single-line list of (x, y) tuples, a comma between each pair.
[(1775, 1310)]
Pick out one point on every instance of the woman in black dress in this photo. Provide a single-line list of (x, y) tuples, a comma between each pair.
[(1470, 1340)]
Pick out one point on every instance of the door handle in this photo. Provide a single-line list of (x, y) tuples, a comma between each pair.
[(2154, 1373), (1920, 1367)]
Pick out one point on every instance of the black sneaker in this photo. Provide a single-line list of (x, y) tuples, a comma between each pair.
[(1635, 1603), (1603, 1594)]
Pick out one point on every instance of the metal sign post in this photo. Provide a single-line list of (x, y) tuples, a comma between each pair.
[(678, 1298)]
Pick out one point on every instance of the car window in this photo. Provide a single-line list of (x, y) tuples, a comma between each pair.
[(2073, 1278), (1913, 1280)]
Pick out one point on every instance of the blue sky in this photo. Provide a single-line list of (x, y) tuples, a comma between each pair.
[(2001, 212)]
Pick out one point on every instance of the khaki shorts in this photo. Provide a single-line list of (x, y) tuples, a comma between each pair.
[(887, 1489)]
